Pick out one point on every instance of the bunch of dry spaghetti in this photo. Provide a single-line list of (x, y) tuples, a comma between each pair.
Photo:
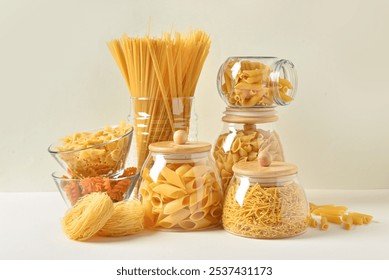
[(158, 72)]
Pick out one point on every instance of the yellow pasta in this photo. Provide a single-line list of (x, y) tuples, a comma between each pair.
[(252, 85), (127, 219), (262, 215), (348, 222), (365, 218), (194, 225), (338, 215), (172, 177), (90, 154), (323, 223), (87, 216), (157, 71), (332, 219), (312, 222), (246, 144), (169, 191), (186, 197), (330, 210)]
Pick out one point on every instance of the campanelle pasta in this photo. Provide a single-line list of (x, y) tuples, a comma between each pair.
[(184, 196)]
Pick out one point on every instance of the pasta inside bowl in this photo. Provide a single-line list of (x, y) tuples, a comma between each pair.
[(99, 152), (117, 189)]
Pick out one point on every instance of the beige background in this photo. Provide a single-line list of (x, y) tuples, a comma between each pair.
[(57, 77)]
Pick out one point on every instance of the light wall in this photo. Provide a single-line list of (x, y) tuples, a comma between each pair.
[(58, 77)]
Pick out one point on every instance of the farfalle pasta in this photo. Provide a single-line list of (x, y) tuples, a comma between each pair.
[(244, 145), (182, 196)]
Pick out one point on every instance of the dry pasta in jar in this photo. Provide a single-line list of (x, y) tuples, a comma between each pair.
[(246, 133), (257, 81), (180, 189), (265, 202)]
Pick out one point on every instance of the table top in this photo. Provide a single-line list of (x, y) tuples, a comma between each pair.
[(30, 229)]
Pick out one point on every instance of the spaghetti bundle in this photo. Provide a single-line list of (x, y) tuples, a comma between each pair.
[(157, 72)]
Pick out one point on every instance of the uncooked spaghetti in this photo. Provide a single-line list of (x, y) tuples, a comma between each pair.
[(157, 71)]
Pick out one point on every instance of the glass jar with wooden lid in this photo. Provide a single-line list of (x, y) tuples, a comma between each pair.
[(245, 134), (257, 81), (180, 188), (265, 200)]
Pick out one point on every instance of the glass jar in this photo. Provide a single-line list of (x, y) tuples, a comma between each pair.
[(246, 133), (180, 188), (257, 81), (156, 120), (265, 202)]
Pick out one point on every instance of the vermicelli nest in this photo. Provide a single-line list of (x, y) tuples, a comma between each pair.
[(88, 216), (127, 219)]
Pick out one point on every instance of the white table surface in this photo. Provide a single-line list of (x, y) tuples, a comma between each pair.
[(30, 229)]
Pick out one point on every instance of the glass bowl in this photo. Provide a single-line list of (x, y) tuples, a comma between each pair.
[(72, 190), (104, 155)]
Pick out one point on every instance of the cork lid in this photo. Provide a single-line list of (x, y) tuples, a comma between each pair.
[(180, 145), (264, 168)]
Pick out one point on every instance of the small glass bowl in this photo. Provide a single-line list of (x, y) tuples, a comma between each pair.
[(72, 190), (106, 159)]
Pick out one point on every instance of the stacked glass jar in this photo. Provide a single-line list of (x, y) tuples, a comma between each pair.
[(263, 198), (252, 88)]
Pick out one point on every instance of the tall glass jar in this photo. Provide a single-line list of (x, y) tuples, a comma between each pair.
[(265, 201), (156, 120), (257, 81), (246, 132), (180, 188)]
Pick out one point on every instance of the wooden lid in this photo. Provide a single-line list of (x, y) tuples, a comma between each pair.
[(250, 115), (180, 145), (254, 169)]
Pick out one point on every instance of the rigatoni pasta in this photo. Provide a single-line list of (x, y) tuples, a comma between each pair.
[(330, 213)]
